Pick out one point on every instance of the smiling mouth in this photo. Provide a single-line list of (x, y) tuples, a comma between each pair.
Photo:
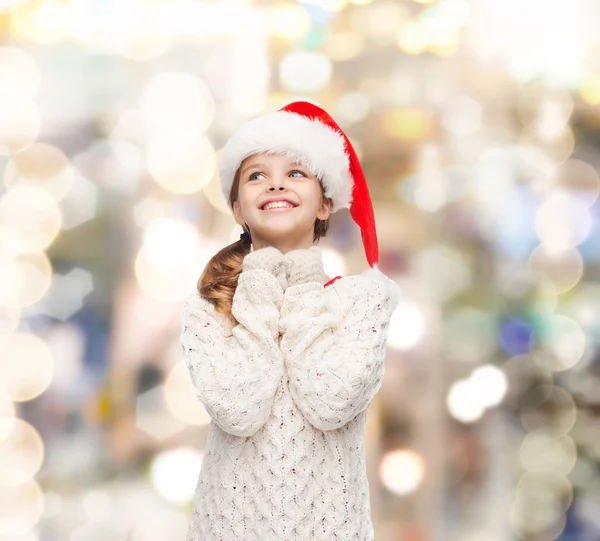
[(280, 209)]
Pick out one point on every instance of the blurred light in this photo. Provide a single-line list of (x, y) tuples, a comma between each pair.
[(435, 30), (305, 71), (43, 166), (580, 179), (564, 268), (21, 121), (66, 294), (171, 260), (562, 221), (548, 408), (45, 21), (401, 471), (153, 417), (431, 191), (477, 534), (167, 242), (29, 219), (248, 60), (515, 336), (583, 305), (159, 526), (380, 22), (539, 505), (565, 340), (361, 2), (113, 164), (147, 210), (353, 107), (327, 5), (455, 278), (407, 326), (180, 397), (133, 29), (522, 373), (544, 298), (544, 519), (333, 263), (590, 89), (79, 206), (464, 401), (7, 415), (491, 383), (582, 474), (541, 453), (408, 124), (19, 72), (289, 21), (97, 505), (214, 196), (10, 316), (553, 48), (8, 5), (182, 164), (412, 37), (174, 473), (53, 504), (26, 366), (470, 335), (462, 116), (545, 109), (21, 455), (24, 278), (177, 100), (559, 147), (342, 46), (21, 508)]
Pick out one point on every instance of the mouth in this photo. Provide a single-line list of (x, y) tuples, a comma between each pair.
[(279, 209)]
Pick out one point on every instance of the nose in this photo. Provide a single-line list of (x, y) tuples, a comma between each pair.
[(276, 185)]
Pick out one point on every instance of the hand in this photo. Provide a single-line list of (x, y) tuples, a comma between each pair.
[(304, 265), (269, 259)]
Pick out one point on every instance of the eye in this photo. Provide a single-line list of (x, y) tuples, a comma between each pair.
[(251, 177), (298, 171)]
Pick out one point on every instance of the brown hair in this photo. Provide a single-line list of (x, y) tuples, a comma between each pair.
[(218, 281)]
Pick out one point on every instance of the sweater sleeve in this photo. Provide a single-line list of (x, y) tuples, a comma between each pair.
[(236, 376), (334, 346)]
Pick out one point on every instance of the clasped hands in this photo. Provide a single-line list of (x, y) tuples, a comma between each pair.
[(294, 267)]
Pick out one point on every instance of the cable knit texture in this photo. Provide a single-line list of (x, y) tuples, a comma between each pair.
[(287, 390)]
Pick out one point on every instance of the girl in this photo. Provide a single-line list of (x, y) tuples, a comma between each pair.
[(284, 359)]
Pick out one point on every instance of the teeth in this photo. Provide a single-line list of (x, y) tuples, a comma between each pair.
[(277, 204)]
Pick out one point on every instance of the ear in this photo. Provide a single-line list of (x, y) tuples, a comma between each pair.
[(237, 213), (324, 209)]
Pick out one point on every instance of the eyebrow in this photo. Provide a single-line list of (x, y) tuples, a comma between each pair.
[(258, 165), (253, 166)]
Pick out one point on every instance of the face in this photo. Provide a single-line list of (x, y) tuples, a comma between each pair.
[(265, 176)]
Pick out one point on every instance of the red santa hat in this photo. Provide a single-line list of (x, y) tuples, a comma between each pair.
[(304, 132)]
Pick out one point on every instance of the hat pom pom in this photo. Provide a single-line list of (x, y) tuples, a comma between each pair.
[(392, 287)]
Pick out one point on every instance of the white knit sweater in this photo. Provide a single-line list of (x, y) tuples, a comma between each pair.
[(287, 391)]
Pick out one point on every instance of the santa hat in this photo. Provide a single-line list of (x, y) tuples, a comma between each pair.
[(304, 132)]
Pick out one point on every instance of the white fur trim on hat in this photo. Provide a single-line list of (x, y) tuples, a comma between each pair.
[(316, 146)]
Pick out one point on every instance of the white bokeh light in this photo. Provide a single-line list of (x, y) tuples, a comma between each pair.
[(407, 326), (174, 473), (401, 471)]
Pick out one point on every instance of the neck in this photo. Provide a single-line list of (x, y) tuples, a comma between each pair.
[(283, 245)]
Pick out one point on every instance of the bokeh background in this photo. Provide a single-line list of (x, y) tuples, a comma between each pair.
[(478, 126)]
